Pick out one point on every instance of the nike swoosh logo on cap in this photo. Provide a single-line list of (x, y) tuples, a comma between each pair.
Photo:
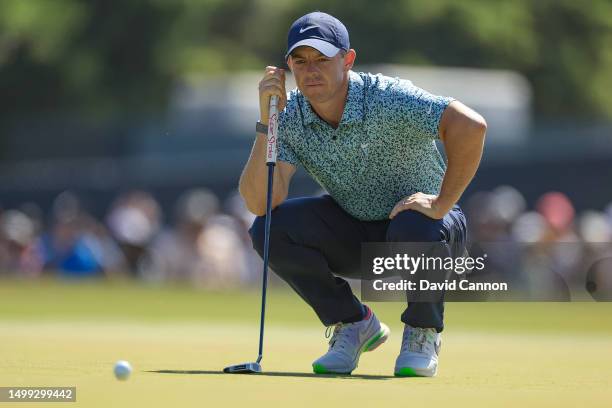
[(307, 28)]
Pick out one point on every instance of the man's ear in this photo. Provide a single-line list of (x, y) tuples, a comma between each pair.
[(349, 59), (289, 63)]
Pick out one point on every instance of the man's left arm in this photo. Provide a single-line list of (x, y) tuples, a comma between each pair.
[(462, 131)]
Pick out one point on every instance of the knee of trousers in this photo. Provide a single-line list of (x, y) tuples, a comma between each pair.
[(278, 230), (257, 232), (412, 226), (291, 222)]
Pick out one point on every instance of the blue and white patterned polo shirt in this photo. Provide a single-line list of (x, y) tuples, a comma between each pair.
[(383, 149)]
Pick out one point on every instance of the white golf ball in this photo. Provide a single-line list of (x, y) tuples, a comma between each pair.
[(122, 370)]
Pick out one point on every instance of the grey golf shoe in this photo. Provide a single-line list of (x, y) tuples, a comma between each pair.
[(419, 354), (347, 343)]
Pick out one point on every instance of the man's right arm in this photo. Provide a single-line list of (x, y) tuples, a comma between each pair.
[(254, 179)]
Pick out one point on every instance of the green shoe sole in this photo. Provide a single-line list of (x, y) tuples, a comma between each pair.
[(406, 372), (375, 341), (319, 369), (378, 339)]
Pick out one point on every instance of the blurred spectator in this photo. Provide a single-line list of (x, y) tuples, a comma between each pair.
[(221, 245), (599, 279), (564, 243), (203, 247), (70, 247), (254, 265), (134, 221), (552, 254), (596, 233), (18, 252), (529, 227), (558, 211), (491, 214), (174, 255), (35, 214)]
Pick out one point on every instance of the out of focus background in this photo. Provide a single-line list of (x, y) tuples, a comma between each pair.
[(124, 125)]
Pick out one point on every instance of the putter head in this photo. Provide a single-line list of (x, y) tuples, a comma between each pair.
[(245, 368)]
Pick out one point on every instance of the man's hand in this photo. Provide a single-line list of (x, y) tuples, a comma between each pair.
[(272, 84), (424, 203)]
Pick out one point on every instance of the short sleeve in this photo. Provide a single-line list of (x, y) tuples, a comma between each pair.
[(283, 144), (419, 109)]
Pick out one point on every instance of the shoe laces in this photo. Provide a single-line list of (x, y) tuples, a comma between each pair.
[(341, 335), (419, 340)]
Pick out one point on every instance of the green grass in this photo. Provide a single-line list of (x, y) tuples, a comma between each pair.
[(129, 301), (178, 339)]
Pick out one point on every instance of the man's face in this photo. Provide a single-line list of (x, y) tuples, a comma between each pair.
[(319, 77)]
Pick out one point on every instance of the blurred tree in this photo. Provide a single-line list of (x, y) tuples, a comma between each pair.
[(95, 56), (103, 58), (563, 47)]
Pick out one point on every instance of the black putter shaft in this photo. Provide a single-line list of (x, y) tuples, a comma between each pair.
[(270, 162), (265, 258), (255, 367)]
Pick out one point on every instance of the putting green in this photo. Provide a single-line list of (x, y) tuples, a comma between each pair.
[(179, 339)]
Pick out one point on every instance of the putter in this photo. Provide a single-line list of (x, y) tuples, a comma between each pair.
[(255, 367)]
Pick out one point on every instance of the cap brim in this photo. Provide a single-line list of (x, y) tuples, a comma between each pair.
[(323, 47)]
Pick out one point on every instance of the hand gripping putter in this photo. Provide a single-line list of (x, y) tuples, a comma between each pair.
[(248, 368)]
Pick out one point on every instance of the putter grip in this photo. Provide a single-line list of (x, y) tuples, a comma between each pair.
[(272, 131)]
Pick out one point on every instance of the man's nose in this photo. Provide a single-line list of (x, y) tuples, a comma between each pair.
[(311, 67)]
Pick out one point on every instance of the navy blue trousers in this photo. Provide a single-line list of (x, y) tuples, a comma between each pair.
[(314, 242)]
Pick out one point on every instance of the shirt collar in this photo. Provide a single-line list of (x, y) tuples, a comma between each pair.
[(353, 108)]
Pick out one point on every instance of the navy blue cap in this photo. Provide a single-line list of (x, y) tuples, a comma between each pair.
[(318, 30)]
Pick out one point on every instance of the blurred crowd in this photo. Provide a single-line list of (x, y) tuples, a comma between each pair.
[(205, 242), (202, 242), (548, 248)]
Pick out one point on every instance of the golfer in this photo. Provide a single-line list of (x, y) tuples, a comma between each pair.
[(369, 141)]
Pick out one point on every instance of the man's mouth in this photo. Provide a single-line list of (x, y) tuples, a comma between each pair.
[(313, 84)]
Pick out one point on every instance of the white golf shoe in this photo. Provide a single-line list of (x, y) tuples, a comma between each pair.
[(419, 354), (347, 343)]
